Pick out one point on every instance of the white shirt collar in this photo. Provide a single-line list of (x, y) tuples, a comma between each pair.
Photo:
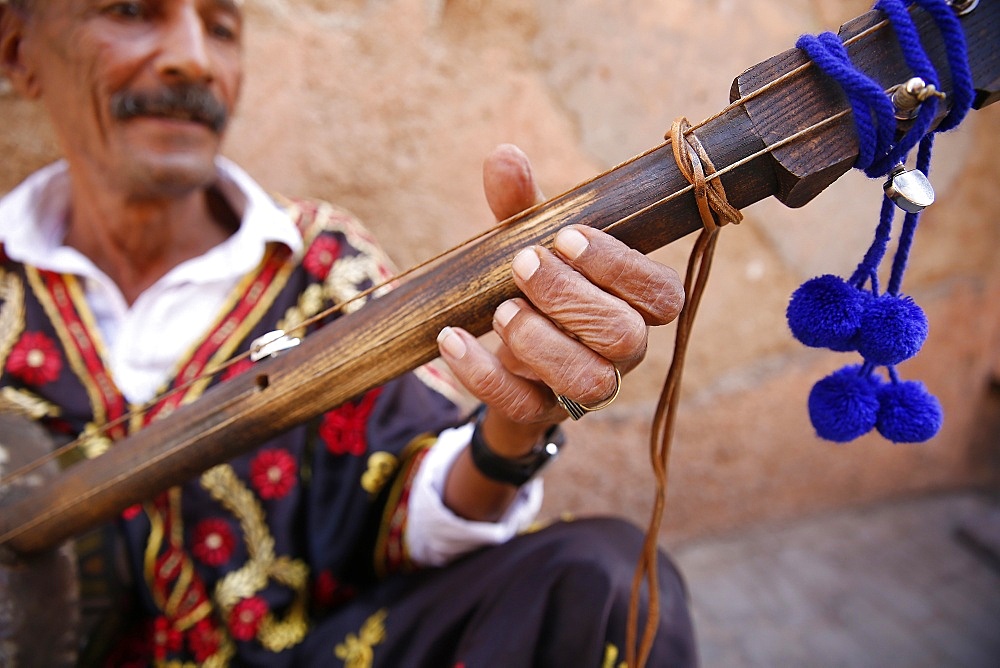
[(33, 226)]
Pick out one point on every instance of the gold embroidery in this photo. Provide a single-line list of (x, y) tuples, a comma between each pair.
[(93, 443), (274, 634), (610, 656), (357, 651), (25, 403), (390, 548), (310, 303), (220, 659), (262, 296), (360, 238), (153, 543), (198, 613), (12, 313), (277, 635), (381, 467), (73, 356), (346, 275)]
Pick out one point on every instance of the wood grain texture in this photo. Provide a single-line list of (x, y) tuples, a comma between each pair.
[(396, 332)]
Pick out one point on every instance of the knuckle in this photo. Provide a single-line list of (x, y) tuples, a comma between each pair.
[(663, 296), (590, 381), (630, 342), (653, 288), (489, 384), (513, 401)]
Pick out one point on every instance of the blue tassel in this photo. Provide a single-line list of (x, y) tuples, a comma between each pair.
[(907, 412), (893, 328), (844, 405), (826, 312), (844, 315)]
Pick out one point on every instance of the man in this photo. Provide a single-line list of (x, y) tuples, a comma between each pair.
[(144, 258)]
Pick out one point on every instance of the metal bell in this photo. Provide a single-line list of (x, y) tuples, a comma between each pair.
[(909, 189)]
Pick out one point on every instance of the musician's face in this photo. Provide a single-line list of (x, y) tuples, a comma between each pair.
[(138, 91)]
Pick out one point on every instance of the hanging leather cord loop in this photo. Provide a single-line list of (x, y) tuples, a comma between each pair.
[(715, 210)]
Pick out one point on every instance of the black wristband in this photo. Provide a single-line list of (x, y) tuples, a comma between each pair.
[(513, 470)]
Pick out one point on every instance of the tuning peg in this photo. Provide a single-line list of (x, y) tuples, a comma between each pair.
[(909, 189), (907, 97)]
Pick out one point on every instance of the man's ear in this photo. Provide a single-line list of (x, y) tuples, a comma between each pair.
[(12, 61)]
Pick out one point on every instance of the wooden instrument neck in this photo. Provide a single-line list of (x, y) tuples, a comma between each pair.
[(788, 134)]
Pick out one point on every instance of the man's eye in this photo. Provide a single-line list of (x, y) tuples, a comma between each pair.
[(128, 10), (222, 31)]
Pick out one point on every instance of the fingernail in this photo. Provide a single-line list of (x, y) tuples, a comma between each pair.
[(525, 264), (451, 343), (571, 243), (505, 312)]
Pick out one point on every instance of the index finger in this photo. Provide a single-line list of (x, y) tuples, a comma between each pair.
[(655, 290)]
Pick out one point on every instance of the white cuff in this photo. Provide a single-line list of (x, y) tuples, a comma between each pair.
[(434, 534)]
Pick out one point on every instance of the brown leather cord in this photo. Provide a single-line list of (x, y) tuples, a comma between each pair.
[(695, 165)]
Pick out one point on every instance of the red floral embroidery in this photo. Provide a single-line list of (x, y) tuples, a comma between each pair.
[(246, 617), (323, 252), (213, 541), (343, 429), (203, 639), (132, 512), (328, 591), (272, 473), (35, 359), (166, 638)]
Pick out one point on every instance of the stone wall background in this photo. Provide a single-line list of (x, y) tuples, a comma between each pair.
[(387, 107)]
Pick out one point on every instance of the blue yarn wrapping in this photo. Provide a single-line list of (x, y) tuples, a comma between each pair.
[(910, 221), (868, 269), (868, 100), (841, 315), (963, 91), (913, 53)]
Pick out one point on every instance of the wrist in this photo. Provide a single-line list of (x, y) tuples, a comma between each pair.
[(518, 469)]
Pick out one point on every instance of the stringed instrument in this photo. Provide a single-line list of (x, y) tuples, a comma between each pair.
[(788, 134)]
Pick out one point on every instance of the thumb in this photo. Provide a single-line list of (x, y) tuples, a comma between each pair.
[(508, 182)]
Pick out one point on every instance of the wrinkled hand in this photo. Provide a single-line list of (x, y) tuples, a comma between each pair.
[(586, 309)]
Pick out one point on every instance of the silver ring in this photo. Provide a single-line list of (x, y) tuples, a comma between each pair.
[(578, 410)]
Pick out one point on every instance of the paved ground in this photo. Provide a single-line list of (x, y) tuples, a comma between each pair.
[(895, 585)]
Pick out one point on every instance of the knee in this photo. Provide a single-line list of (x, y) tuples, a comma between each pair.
[(606, 551), (593, 563)]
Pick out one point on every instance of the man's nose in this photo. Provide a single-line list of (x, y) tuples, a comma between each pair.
[(184, 53)]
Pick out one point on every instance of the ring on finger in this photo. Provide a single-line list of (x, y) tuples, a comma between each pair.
[(577, 410)]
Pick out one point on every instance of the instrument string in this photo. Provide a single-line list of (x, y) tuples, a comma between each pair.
[(134, 412), (139, 410)]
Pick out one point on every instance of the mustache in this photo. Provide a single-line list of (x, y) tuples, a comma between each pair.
[(186, 102)]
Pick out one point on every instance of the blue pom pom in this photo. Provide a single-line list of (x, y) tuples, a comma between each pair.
[(844, 405), (826, 311), (907, 412), (893, 329)]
